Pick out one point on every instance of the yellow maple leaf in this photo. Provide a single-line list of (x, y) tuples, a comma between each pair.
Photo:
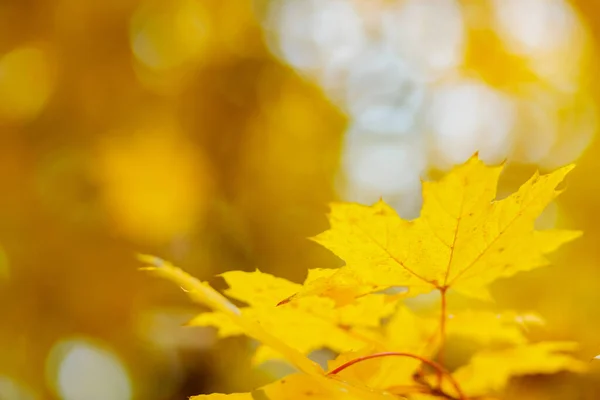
[(489, 371), (312, 379), (262, 290), (464, 238), (487, 327), (344, 288), (405, 332), (203, 293), (295, 387), (309, 324)]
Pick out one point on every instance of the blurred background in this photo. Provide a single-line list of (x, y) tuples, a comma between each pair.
[(213, 134)]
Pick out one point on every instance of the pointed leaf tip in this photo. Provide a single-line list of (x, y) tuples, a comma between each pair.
[(151, 260), (568, 168)]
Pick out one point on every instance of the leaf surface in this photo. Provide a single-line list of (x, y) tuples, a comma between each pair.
[(489, 371), (306, 325), (487, 327), (312, 380), (299, 387), (464, 238), (405, 332), (203, 293)]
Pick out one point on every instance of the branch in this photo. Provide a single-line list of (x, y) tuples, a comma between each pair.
[(438, 367), (443, 318)]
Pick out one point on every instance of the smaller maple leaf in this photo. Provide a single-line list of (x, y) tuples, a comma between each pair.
[(203, 293), (405, 332), (311, 380), (309, 324), (297, 387), (489, 371), (488, 327), (463, 239)]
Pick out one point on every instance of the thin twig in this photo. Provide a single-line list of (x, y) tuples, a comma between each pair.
[(443, 318), (438, 367)]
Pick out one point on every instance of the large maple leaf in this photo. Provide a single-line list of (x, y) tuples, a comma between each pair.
[(463, 239)]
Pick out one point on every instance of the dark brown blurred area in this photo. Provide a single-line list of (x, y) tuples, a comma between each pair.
[(196, 131)]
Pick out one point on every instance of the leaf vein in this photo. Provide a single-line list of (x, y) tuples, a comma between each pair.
[(500, 234), (458, 220), (398, 261)]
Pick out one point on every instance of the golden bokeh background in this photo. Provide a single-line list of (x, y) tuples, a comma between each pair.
[(213, 133)]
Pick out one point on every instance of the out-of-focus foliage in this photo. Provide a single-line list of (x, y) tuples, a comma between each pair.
[(214, 133)]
